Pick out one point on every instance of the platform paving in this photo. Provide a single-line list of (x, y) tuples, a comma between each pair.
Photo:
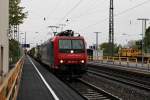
[(32, 86)]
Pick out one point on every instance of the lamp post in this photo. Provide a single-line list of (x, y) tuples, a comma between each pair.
[(124, 34), (24, 38), (21, 38), (143, 33), (21, 42), (36, 38), (142, 48), (97, 44)]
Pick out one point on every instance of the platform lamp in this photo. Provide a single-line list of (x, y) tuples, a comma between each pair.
[(143, 33), (97, 44)]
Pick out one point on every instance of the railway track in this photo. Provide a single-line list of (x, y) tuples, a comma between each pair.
[(91, 92), (141, 84)]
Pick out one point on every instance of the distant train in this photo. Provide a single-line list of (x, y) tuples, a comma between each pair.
[(64, 53), (129, 52), (133, 53)]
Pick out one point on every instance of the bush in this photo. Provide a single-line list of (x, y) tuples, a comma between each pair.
[(14, 51)]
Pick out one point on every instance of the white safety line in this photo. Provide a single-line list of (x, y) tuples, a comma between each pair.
[(45, 82)]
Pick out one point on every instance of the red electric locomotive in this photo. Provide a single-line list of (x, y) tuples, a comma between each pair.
[(65, 53)]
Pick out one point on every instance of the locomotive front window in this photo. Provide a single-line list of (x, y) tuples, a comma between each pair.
[(77, 44), (66, 45)]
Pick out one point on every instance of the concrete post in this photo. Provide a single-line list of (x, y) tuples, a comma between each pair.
[(4, 46)]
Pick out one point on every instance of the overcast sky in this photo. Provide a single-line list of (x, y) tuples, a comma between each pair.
[(85, 17)]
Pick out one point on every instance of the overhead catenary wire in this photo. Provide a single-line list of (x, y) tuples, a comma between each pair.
[(71, 10), (88, 14), (129, 9), (91, 11), (54, 9), (88, 4), (118, 14), (91, 7)]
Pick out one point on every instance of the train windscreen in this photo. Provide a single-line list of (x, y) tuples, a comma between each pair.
[(76, 45)]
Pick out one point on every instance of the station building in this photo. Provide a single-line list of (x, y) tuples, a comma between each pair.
[(4, 45)]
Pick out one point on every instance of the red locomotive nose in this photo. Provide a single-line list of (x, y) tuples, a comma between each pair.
[(72, 58)]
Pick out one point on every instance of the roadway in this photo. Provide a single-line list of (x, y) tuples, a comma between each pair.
[(37, 83)]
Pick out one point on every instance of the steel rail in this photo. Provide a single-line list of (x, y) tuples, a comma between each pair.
[(135, 79), (120, 79), (91, 92), (105, 93)]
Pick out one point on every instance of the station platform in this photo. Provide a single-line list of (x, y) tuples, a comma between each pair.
[(138, 68), (37, 83)]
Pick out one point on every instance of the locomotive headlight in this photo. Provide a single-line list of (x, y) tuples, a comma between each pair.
[(61, 61), (82, 61), (71, 51)]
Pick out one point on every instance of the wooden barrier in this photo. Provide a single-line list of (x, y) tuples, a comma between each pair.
[(109, 58), (90, 58), (123, 59), (105, 57), (119, 59), (148, 61), (133, 60), (10, 85), (115, 58)]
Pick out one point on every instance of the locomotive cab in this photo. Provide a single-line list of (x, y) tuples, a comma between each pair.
[(65, 53), (71, 55)]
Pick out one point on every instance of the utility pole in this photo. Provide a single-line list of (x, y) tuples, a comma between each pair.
[(97, 44), (54, 29), (111, 28), (143, 34)]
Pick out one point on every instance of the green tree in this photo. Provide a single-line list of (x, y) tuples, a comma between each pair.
[(138, 45), (106, 48), (147, 40), (13, 51), (16, 17), (135, 44), (16, 14)]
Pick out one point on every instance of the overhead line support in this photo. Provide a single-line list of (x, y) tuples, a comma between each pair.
[(111, 28)]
